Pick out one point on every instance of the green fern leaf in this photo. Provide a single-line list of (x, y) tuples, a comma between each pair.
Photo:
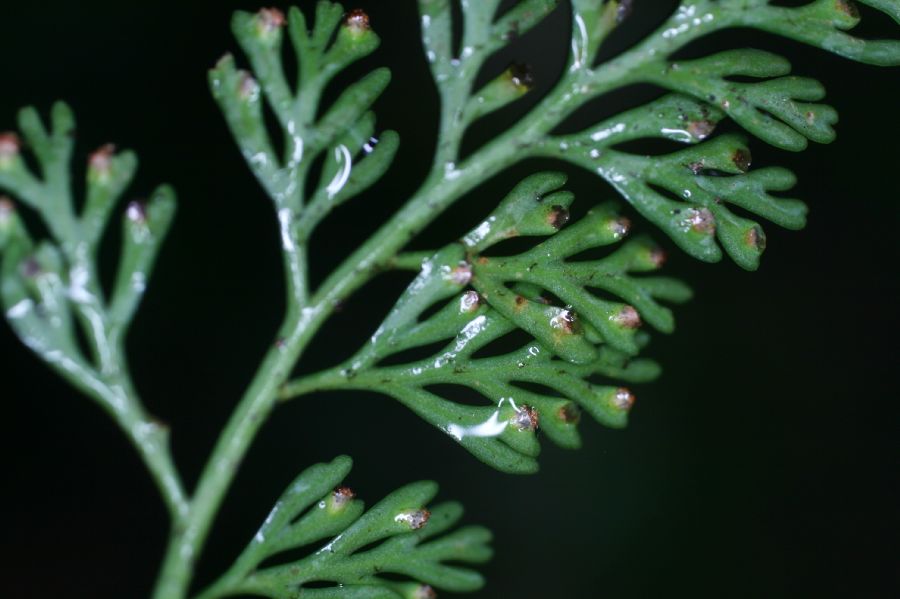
[(581, 337), (396, 536)]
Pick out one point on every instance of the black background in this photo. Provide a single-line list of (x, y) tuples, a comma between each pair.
[(762, 463)]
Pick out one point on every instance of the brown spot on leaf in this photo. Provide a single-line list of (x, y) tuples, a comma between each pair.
[(10, 144), (848, 7), (742, 159), (628, 318), (100, 159), (425, 591), (701, 129), (569, 413), (756, 238), (701, 221), (658, 256), (558, 216)]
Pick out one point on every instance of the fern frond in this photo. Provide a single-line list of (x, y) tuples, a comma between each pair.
[(577, 334), (345, 132), (399, 535), (49, 288)]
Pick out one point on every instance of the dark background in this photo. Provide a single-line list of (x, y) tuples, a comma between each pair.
[(762, 463)]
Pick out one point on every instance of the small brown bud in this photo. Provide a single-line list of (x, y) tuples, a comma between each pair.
[(701, 221), (628, 318), (357, 21), (658, 257), (521, 302), (566, 321), (100, 161), (742, 159), (10, 145), (558, 216), (469, 302), (848, 7), (342, 496), (7, 209), (756, 238), (569, 413), (424, 591), (270, 20), (415, 519), (248, 89), (623, 399), (620, 226), (701, 129), (461, 274), (526, 418)]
